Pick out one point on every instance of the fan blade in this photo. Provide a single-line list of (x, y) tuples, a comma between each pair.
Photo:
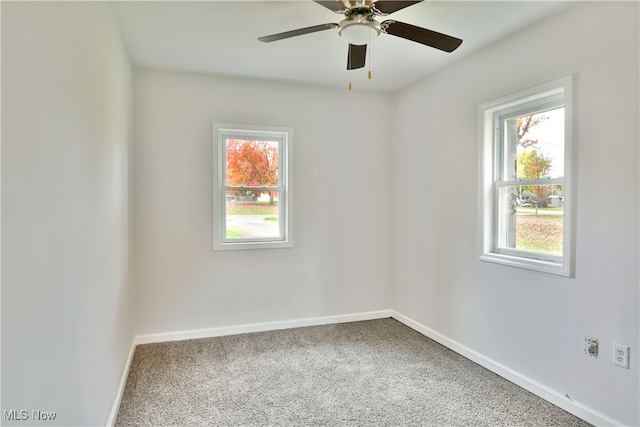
[(333, 5), (298, 32), (386, 7), (357, 56), (421, 35)]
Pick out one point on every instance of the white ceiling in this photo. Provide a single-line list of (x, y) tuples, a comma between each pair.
[(220, 37)]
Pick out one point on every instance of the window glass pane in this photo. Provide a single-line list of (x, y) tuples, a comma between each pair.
[(535, 146), (252, 163), (531, 218), (251, 214)]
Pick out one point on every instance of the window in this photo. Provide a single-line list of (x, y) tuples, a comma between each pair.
[(252, 187), (525, 179)]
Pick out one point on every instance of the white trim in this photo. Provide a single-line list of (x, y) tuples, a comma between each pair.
[(284, 135), (123, 382), (548, 93), (232, 330), (260, 327), (553, 396)]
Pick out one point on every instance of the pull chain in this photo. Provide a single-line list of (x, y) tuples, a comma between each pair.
[(369, 56), (350, 72)]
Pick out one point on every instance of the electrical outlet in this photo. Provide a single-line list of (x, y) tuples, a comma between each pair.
[(621, 355), (591, 346)]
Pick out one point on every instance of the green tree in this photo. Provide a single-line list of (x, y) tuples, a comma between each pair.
[(533, 164)]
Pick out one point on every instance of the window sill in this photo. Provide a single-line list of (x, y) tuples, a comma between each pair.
[(235, 246), (527, 263)]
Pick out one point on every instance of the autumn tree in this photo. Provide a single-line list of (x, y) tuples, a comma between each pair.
[(532, 165), (253, 164)]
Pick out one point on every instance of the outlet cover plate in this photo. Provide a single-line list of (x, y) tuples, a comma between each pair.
[(621, 355)]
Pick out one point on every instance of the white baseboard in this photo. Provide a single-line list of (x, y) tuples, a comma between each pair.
[(576, 408), (260, 327), (553, 396), (233, 330), (123, 381)]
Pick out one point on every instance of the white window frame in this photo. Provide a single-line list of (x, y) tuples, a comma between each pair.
[(550, 95), (284, 136)]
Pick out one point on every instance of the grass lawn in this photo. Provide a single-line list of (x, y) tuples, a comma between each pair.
[(233, 233), (251, 208), (540, 233), (556, 210)]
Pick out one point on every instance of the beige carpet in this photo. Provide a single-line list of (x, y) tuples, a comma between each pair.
[(373, 373)]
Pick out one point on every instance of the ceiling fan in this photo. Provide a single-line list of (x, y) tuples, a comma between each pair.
[(359, 27)]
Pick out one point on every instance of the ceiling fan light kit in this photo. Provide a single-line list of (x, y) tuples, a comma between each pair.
[(360, 28)]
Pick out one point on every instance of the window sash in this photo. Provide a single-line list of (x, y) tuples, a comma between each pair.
[(500, 219), (282, 217), (503, 147), (282, 137), (530, 182), (281, 158), (494, 176)]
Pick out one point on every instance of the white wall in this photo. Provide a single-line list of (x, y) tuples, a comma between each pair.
[(340, 260), (530, 322), (66, 301)]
